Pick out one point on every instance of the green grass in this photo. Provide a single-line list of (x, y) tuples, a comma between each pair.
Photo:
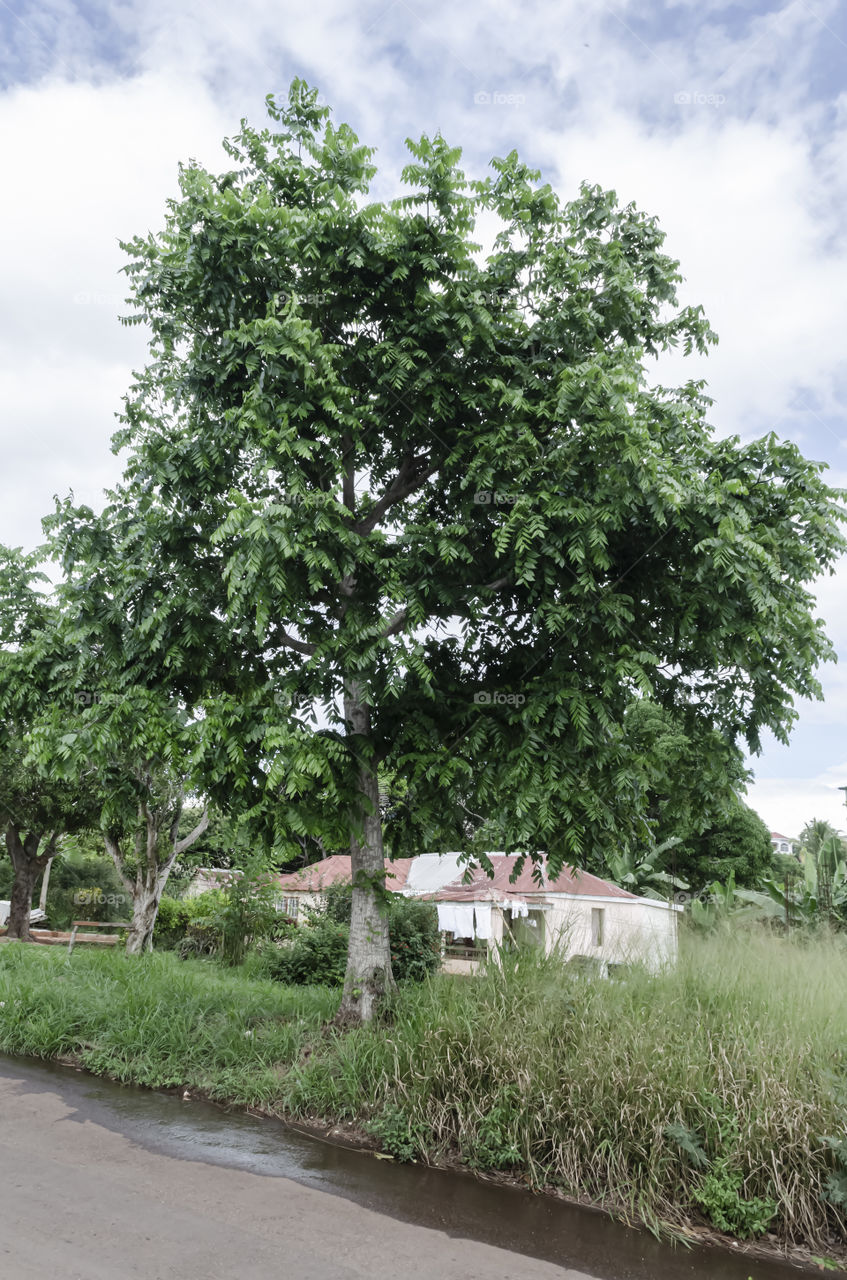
[(157, 1021), (711, 1087)]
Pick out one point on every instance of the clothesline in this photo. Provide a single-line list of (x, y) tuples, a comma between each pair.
[(473, 919)]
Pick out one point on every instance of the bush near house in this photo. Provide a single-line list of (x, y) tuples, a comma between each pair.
[(317, 952), (179, 916)]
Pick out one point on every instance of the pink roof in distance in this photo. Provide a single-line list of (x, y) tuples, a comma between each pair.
[(336, 870)]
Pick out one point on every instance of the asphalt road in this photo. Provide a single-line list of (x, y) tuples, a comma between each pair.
[(84, 1202)]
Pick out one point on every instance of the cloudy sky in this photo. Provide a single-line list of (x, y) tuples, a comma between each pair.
[(727, 121)]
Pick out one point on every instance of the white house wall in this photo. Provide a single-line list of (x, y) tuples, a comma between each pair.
[(632, 930)]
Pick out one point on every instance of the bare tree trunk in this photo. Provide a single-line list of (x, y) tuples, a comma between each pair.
[(21, 903), (369, 974), (151, 875), (145, 908), (27, 865), (45, 885)]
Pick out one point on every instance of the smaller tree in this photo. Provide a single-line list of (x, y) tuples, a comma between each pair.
[(35, 813), (36, 808), (247, 909), (645, 875), (738, 844), (136, 748)]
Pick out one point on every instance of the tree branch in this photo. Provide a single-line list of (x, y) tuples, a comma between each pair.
[(348, 490), (180, 846), (114, 851), (400, 618), (302, 646), (401, 486), (396, 623)]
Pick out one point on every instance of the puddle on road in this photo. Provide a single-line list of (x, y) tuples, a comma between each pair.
[(454, 1203)]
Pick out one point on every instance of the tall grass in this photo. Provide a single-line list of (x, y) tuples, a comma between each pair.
[(628, 1093), (740, 1049), (156, 1021)]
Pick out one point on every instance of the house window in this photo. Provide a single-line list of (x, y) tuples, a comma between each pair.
[(597, 926), (288, 906)]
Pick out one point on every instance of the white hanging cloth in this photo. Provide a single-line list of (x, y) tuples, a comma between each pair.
[(456, 918), (482, 918), (518, 908)]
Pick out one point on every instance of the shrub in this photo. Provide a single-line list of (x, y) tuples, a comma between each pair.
[(415, 940), (178, 917), (84, 884), (719, 1196), (246, 911), (317, 955), (398, 1136), (318, 948)]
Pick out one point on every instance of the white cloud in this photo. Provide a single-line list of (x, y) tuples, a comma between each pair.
[(787, 804)]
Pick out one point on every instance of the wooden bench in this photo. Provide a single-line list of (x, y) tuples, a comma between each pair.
[(94, 939)]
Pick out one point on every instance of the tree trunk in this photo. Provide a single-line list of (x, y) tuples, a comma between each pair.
[(21, 904), (45, 885), (145, 908), (27, 867), (151, 876), (369, 974)]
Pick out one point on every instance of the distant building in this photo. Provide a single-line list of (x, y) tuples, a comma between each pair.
[(206, 878), (584, 918), (784, 844)]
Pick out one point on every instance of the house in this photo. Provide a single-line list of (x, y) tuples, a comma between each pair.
[(784, 844), (575, 913), (305, 888), (206, 878)]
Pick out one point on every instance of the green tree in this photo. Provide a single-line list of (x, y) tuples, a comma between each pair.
[(689, 778), (739, 843), (434, 497), (36, 810), (134, 748)]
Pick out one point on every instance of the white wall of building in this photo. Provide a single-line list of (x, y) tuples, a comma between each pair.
[(629, 930)]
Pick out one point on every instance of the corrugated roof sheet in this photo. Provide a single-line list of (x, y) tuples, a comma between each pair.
[(336, 870)]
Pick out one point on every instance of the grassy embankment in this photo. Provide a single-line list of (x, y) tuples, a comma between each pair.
[(711, 1088)]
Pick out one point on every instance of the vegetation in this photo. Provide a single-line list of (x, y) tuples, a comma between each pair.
[(178, 918), (36, 809), (317, 951), (737, 844), (531, 1069), (439, 495)]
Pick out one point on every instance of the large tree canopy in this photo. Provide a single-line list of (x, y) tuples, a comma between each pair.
[(395, 503)]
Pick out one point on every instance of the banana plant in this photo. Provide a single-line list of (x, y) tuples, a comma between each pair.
[(645, 876), (721, 903), (822, 893)]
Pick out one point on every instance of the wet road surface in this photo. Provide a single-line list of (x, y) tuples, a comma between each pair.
[(98, 1181)]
